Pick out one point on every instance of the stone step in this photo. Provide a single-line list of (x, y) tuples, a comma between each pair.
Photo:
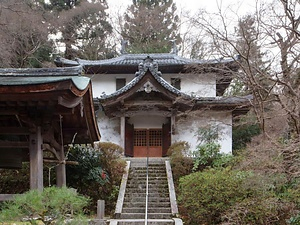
[(140, 174), (150, 182), (150, 195), (150, 204), (157, 178), (143, 191), (142, 222), (142, 215), (159, 167), (141, 199), (142, 210), (135, 167), (150, 169), (143, 185)]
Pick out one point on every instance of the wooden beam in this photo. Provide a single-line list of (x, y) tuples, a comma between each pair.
[(13, 144), (148, 103), (49, 160), (6, 197), (14, 130), (36, 160)]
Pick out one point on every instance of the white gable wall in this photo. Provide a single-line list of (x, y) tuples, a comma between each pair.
[(200, 85), (107, 83), (186, 128)]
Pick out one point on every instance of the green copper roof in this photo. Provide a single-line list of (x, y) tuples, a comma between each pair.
[(31, 76)]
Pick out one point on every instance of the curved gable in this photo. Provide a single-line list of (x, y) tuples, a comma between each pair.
[(148, 88)]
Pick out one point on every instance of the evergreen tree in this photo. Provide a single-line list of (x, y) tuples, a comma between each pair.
[(251, 57), (151, 26), (83, 26), (253, 78)]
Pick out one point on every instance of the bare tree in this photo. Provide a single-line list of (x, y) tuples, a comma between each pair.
[(23, 35), (81, 28), (268, 45)]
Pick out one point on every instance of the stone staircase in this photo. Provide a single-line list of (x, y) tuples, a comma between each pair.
[(160, 207)]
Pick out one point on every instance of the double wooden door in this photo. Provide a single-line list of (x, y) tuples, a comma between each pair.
[(147, 142)]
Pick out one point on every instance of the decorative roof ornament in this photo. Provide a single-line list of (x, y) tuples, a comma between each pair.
[(123, 46), (148, 87), (148, 64), (174, 49)]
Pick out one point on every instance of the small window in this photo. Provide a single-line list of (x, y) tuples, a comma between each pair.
[(176, 83), (120, 82)]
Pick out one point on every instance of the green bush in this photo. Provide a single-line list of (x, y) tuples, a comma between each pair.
[(98, 174), (180, 161), (205, 155), (294, 220), (232, 197), (15, 181), (208, 148), (204, 196), (51, 206), (242, 134)]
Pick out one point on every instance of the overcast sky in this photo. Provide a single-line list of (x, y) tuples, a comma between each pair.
[(231, 8), (193, 5)]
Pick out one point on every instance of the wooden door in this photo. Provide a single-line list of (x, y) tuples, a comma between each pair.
[(166, 138), (147, 142), (129, 131)]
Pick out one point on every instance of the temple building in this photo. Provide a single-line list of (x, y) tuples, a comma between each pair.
[(146, 102), (42, 111)]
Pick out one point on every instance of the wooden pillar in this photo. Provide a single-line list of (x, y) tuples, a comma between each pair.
[(173, 124), (61, 170), (122, 131), (36, 160)]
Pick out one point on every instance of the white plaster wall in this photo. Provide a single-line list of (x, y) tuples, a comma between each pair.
[(186, 128), (147, 121), (199, 85), (106, 83), (109, 128)]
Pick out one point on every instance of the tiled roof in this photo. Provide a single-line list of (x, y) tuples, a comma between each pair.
[(29, 76), (162, 59), (225, 100), (152, 66)]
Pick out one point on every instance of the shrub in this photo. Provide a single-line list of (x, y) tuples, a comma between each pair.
[(112, 160), (242, 134), (294, 220), (204, 196), (258, 210), (15, 181), (51, 206), (98, 174), (208, 149), (180, 161)]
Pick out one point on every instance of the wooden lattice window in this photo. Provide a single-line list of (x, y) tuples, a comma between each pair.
[(154, 137), (140, 137)]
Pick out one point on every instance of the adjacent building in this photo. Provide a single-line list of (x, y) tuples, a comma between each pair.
[(146, 102)]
